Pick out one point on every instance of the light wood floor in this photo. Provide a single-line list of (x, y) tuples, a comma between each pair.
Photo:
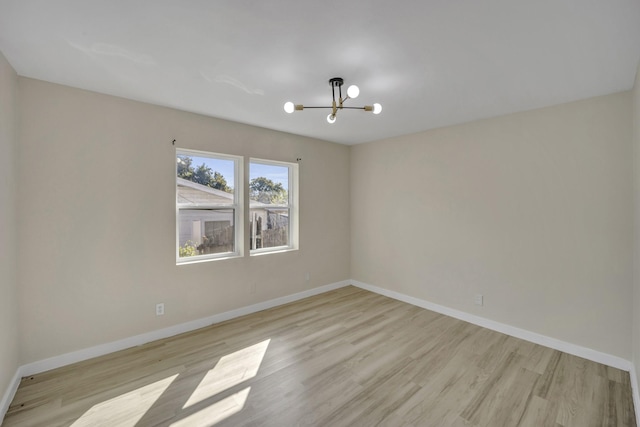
[(344, 358)]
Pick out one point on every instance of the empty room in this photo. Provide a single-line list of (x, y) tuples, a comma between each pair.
[(282, 213)]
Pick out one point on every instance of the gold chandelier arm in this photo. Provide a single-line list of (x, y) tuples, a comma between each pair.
[(329, 107)]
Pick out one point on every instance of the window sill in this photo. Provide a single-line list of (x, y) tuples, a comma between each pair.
[(197, 261), (261, 252)]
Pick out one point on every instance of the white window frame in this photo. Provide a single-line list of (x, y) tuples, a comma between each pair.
[(292, 206), (237, 206)]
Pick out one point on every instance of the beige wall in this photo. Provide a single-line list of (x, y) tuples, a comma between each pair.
[(97, 229), (636, 229), (8, 240), (532, 210)]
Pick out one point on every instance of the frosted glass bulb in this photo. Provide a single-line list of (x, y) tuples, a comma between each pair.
[(288, 107), (377, 108), (331, 118), (353, 91)]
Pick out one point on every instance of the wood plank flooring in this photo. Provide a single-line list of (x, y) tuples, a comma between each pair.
[(345, 358)]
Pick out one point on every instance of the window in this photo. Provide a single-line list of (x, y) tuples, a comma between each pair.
[(208, 205), (273, 222)]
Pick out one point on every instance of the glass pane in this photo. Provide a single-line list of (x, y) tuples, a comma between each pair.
[(205, 231), (268, 184), (204, 180), (269, 227)]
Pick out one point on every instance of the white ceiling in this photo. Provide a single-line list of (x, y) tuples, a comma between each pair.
[(430, 63)]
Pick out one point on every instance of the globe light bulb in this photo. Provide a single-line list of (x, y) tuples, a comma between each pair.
[(377, 108), (353, 91), (289, 107), (331, 118)]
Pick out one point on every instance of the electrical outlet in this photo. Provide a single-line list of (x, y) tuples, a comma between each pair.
[(478, 299), (307, 277), (160, 309)]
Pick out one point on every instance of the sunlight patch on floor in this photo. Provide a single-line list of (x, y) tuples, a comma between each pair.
[(137, 402), (231, 370), (216, 412), (129, 408)]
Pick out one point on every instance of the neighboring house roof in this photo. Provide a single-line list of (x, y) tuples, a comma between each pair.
[(190, 192), (193, 193)]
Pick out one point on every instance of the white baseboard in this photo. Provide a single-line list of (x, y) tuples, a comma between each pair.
[(102, 349), (576, 350), (10, 393), (636, 392)]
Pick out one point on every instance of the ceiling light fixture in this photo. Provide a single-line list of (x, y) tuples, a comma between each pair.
[(352, 92)]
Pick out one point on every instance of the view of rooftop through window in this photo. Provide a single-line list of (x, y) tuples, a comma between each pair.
[(269, 212), (208, 201)]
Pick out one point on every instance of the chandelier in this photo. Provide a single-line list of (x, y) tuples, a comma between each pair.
[(352, 92)]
